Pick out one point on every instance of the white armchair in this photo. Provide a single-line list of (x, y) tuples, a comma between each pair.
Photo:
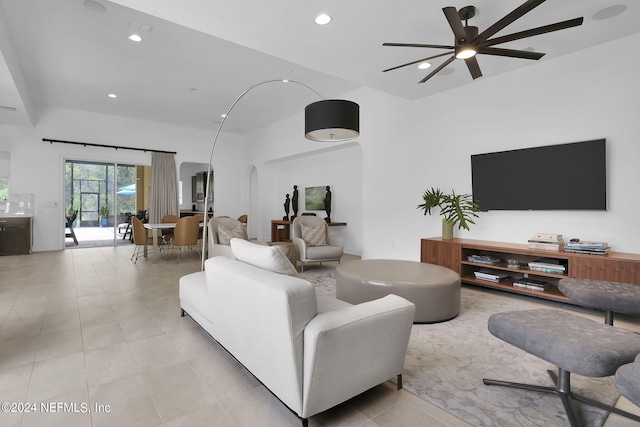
[(310, 235), (218, 245)]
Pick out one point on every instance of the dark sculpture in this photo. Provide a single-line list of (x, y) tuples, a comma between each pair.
[(327, 204), (294, 202), (286, 208)]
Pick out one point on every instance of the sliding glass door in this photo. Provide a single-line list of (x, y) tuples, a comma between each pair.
[(103, 196)]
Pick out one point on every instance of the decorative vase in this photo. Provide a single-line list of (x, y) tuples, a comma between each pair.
[(447, 229), (104, 222)]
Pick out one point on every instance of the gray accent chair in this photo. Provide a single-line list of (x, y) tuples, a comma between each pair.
[(627, 381), (610, 297), (572, 343), (332, 250)]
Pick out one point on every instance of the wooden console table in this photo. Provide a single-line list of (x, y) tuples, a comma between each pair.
[(281, 230), (614, 267)]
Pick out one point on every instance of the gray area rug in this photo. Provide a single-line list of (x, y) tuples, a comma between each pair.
[(447, 361)]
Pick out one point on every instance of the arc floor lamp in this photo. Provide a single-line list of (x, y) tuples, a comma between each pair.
[(327, 120)]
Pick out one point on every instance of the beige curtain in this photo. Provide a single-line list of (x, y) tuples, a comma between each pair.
[(163, 199)]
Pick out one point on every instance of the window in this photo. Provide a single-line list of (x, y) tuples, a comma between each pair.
[(4, 188)]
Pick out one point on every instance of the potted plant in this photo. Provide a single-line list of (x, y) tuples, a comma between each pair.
[(454, 208), (72, 215), (104, 216)]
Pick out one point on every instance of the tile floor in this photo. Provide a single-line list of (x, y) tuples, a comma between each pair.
[(96, 340)]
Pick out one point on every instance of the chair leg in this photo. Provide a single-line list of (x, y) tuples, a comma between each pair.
[(608, 317), (563, 390)]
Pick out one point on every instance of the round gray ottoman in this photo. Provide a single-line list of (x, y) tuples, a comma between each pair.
[(435, 290)]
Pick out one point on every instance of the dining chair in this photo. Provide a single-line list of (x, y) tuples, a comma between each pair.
[(167, 234), (141, 238), (185, 235)]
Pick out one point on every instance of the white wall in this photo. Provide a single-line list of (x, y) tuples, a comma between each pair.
[(587, 95), (408, 146), (338, 166), (38, 167)]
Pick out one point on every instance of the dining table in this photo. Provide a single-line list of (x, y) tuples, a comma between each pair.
[(154, 227)]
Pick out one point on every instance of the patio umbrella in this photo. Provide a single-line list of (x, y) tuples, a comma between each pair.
[(128, 190)]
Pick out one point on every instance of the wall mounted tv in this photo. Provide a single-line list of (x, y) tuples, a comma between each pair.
[(555, 177)]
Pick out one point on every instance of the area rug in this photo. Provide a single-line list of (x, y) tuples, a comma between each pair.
[(447, 361)]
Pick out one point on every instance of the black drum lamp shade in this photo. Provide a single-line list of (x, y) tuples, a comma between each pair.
[(332, 120)]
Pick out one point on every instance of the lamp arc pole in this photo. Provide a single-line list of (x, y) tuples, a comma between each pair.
[(213, 146)]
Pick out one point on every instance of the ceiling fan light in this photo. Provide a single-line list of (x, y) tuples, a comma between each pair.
[(466, 52)]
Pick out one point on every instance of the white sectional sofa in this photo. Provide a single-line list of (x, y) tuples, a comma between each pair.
[(312, 352)]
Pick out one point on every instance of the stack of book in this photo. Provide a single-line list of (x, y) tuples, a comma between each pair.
[(547, 265), (546, 242), (491, 276), (534, 284), (593, 248), (484, 259)]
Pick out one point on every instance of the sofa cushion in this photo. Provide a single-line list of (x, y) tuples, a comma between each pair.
[(270, 258), (313, 235), (225, 235)]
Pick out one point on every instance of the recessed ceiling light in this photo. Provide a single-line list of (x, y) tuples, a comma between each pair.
[(112, 95), (135, 38), (609, 12), (323, 19), (94, 6), (424, 65)]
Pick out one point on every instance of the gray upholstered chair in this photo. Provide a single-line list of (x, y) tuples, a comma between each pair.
[(610, 297), (310, 235), (627, 381), (574, 344), (220, 232)]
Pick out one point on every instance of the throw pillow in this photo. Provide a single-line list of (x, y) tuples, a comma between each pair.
[(225, 235), (314, 236), (270, 258)]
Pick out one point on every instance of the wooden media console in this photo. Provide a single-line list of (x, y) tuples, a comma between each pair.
[(614, 267)]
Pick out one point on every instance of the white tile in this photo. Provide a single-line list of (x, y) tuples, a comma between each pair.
[(129, 404), (109, 363), (101, 335), (163, 383), (58, 344), (55, 377), (155, 352)]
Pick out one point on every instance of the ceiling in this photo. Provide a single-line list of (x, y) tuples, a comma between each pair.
[(198, 56)]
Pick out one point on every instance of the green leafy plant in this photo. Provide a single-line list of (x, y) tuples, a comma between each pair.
[(456, 208), (104, 211), (71, 211)]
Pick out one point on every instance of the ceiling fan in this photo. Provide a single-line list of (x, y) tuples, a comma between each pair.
[(469, 43)]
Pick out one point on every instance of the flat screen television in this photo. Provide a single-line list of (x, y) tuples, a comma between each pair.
[(555, 177)]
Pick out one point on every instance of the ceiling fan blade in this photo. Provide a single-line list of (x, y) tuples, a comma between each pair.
[(474, 68), (455, 23), (417, 62), (517, 13), (535, 31), (511, 53), (437, 70), (432, 46)]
